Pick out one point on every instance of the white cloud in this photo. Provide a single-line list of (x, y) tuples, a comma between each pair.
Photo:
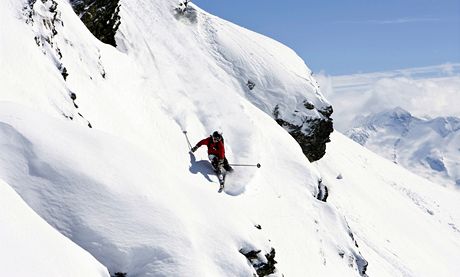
[(424, 92)]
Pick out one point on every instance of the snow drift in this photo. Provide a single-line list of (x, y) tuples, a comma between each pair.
[(31, 247)]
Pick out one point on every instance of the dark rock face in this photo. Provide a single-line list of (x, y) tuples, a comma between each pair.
[(250, 84), (323, 191), (362, 266), (312, 135), (100, 17), (263, 267)]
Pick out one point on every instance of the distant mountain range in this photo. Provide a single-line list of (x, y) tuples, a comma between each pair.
[(428, 147)]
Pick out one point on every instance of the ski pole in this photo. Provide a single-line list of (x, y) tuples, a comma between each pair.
[(188, 141), (258, 165)]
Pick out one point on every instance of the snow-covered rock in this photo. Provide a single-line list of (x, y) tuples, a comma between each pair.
[(101, 17)]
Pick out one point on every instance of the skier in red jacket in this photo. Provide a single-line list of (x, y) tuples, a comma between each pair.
[(216, 151)]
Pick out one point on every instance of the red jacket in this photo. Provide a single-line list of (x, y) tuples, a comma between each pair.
[(213, 148)]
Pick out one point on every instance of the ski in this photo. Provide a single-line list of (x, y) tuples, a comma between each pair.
[(221, 178)]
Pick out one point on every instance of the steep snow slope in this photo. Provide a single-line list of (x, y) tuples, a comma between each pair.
[(429, 148), (126, 190), (404, 224), (137, 214), (201, 57), (31, 247)]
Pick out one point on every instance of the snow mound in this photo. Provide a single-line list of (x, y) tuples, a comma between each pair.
[(31, 247)]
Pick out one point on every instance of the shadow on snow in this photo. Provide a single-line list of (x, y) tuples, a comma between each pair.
[(205, 168), (202, 166)]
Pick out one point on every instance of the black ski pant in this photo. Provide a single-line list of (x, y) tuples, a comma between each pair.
[(215, 164)]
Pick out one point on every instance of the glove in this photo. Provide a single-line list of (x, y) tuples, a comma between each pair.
[(194, 148)]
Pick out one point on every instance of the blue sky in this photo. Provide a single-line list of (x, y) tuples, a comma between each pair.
[(352, 36)]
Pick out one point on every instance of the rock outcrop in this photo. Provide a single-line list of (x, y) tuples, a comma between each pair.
[(100, 17)]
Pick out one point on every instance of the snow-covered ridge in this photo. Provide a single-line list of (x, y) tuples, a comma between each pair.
[(128, 192), (429, 147), (214, 56)]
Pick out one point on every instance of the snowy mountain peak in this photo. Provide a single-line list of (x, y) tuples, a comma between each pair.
[(395, 118), (425, 146), (445, 126)]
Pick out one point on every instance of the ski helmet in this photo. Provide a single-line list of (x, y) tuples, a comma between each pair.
[(216, 136)]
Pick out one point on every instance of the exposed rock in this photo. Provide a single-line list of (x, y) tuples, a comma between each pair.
[(312, 135), (264, 266), (362, 265), (182, 8), (356, 257), (186, 13), (250, 84), (323, 192), (100, 17), (73, 96), (308, 105), (64, 73)]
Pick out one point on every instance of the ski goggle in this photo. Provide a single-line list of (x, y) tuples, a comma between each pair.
[(216, 139)]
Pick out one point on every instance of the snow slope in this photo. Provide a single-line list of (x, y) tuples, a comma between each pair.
[(138, 215), (31, 247), (404, 224), (429, 148), (127, 190)]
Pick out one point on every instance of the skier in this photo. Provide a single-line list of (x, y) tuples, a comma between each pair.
[(216, 154)]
